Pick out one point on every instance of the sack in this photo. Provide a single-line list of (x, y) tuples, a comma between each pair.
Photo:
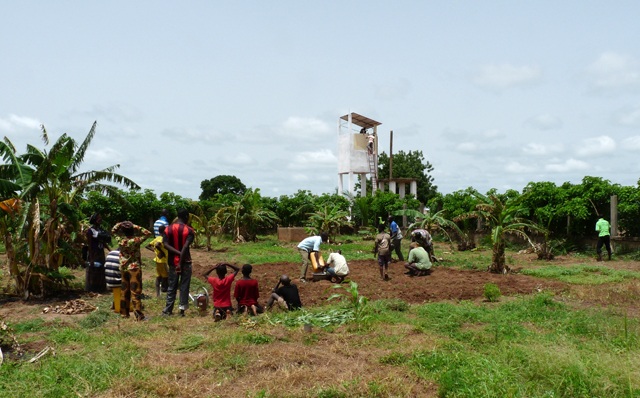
[(399, 234)]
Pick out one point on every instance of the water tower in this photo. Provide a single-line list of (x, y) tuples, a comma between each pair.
[(357, 152)]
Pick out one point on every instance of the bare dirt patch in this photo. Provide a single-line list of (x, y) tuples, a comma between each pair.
[(443, 283)]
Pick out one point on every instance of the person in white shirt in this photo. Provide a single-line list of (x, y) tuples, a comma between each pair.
[(340, 267)]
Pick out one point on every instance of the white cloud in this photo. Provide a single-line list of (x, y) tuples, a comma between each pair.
[(615, 72), (15, 122), (507, 75), (238, 159), (306, 127), (533, 148), (467, 147), (518, 168), (567, 166), (596, 146), (23, 121), (544, 122), (631, 143), (311, 160), (104, 155)]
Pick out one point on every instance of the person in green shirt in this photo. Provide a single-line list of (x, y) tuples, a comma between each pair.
[(604, 237), (418, 261)]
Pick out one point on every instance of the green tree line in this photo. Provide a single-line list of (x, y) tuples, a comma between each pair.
[(46, 201)]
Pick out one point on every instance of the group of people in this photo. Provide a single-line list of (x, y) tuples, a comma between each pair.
[(122, 273), (421, 255), (123, 267), (309, 249), (246, 292), (419, 261)]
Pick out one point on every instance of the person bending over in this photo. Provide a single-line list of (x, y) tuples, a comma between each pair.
[(340, 267), (221, 285), (418, 261), (423, 238), (310, 247)]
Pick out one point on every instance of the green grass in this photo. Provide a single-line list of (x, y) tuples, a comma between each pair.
[(533, 346), (528, 346), (582, 274)]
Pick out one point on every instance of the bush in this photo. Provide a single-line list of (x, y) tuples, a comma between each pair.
[(492, 292)]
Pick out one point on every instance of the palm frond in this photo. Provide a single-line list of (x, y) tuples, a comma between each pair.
[(78, 157)]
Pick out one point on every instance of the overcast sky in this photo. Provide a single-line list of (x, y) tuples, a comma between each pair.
[(494, 93)]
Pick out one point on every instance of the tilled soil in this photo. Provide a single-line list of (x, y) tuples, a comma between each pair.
[(443, 283)]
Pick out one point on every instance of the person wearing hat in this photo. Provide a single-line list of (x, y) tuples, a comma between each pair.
[(130, 237), (418, 261), (287, 295)]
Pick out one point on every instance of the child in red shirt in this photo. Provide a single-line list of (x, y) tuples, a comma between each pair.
[(221, 290), (247, 293)]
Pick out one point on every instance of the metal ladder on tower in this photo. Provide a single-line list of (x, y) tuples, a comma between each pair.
[(373, 170)]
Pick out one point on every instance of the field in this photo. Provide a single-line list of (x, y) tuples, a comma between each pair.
[(565, 328)]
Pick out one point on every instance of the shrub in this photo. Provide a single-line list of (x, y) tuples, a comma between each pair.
[(492, 292)]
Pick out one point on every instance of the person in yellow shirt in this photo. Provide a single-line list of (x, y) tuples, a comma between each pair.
[(162, 267)]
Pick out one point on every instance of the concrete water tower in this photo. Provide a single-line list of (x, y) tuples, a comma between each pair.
[(355, 154)]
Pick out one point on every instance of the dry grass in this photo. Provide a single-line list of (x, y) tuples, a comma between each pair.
[(294, 364)]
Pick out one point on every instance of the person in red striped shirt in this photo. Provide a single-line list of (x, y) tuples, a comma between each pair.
[(177, 239)]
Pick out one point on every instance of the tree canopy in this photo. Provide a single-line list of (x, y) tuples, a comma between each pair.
[(410, 165), (221, 184)]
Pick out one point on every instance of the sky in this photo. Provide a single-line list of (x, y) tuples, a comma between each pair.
[(496, 94)]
